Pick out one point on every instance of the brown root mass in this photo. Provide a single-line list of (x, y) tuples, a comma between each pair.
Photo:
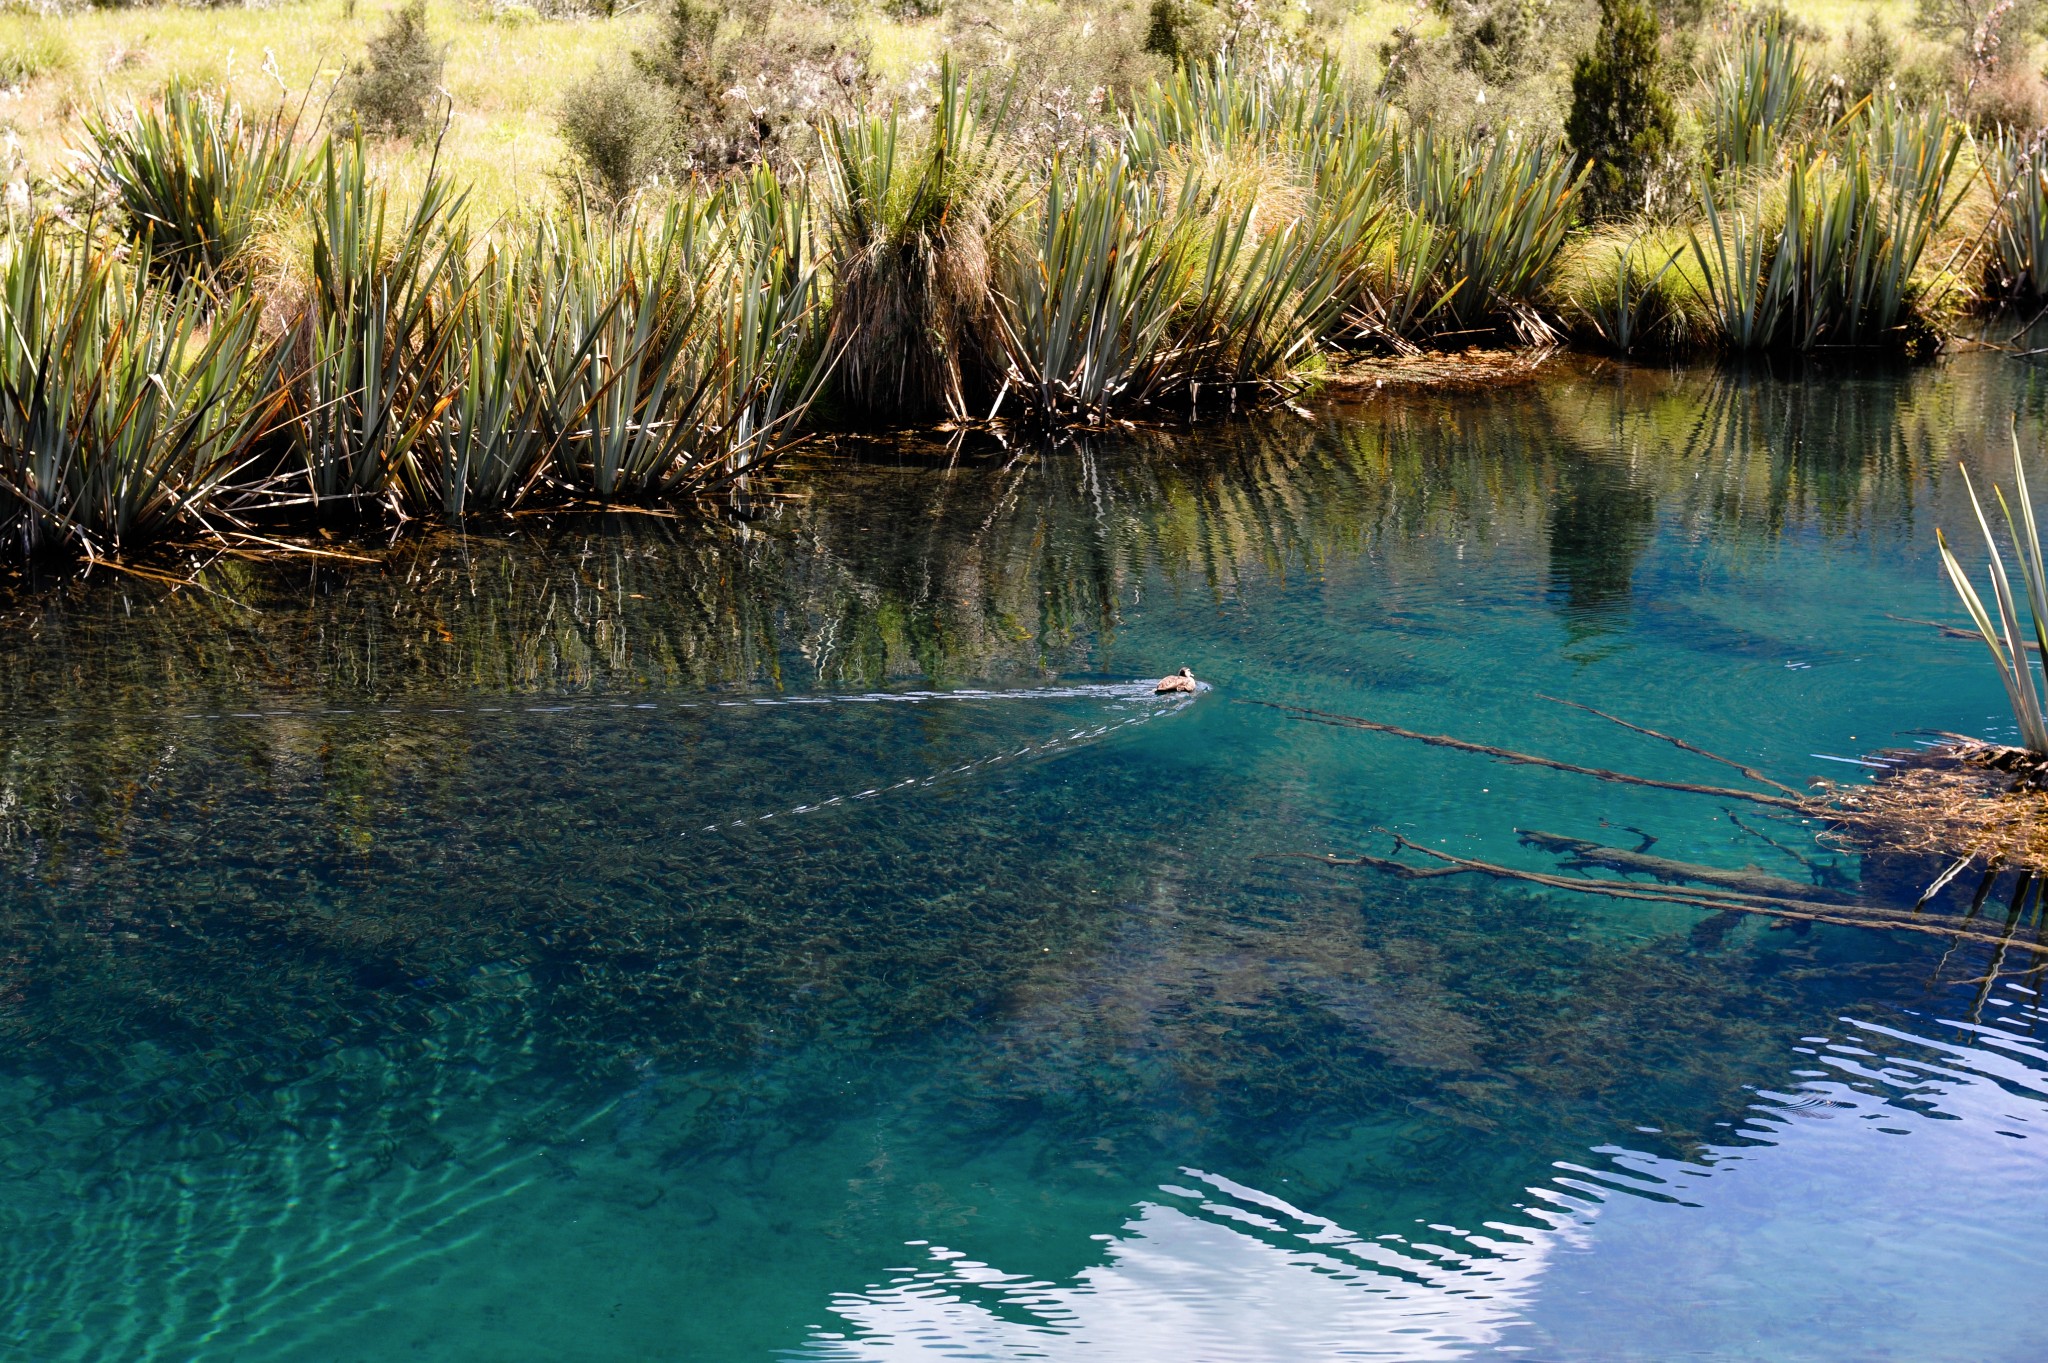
[(1962, 799), (1475, 367)]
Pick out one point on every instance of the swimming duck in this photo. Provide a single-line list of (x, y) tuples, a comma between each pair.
[(1182, 680)]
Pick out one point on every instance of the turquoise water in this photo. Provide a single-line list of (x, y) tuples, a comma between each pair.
[(810, 939)]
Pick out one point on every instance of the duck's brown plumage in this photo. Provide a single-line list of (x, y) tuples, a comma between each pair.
[(1182, 680)]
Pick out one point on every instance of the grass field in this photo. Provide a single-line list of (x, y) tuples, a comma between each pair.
[(507, 69)]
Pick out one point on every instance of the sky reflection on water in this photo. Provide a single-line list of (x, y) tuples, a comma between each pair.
[(1808, 1240)]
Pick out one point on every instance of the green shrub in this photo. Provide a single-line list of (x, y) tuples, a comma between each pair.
[(749, 80), (1621, 120), (1064, 84), (1184, 32), (1871, 59), (391, 89), (1499, 40), (617, 125)]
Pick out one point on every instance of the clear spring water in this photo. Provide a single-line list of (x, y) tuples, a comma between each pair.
[(802, 941)]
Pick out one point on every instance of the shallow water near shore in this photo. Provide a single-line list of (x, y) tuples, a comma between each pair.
[(811, 939)]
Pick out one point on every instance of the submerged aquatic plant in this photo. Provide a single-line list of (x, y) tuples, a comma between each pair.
[(2003, 636)]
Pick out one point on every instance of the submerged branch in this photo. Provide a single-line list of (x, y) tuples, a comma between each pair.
[(1751, 772), (1526, 759), (1582, 853), (1770, 906)]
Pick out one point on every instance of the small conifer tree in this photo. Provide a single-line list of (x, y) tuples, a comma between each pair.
[(1621, 119), (391, 89)]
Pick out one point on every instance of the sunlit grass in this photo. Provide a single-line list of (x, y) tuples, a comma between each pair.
[(505, 76)]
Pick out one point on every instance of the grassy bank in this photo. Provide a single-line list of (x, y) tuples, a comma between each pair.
[(233, 309)]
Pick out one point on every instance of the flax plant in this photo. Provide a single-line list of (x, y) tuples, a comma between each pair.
[(1761, 88), (1263, 299), (2016, 164), (1750, 278), (1506, 206), (378, 327), (122, 406), (192, 177), (1239, 108), (1842, 264), (1089, 304), (687, 350), (495, 435), (2003, 636)]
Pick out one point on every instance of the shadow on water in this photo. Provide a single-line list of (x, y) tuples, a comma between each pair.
[(631, 939)]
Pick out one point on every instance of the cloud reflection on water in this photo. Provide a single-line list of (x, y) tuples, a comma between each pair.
[(1878, 1208)]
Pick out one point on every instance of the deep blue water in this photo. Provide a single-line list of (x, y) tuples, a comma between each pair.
[(808, 938)]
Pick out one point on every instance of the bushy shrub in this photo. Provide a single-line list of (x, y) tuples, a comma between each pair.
[(617, 124), (1499, 40), (1870, 59), (1058, 74), (1621, 120), (2007, 96), (749, 80), (392, 88), (1184, 32)]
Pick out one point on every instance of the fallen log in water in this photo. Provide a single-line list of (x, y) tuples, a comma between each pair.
[(1580, 853)]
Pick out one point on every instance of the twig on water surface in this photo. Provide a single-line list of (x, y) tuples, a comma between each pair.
[(1524, 759), (1751, 772), (1953, 631), (1808, 911)]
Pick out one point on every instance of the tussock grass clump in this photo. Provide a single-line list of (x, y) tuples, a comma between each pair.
[(32, 47), (1625, 288)]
